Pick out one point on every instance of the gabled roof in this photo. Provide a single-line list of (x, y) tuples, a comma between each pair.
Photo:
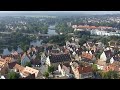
[(8, 59), (59, 58), (87, 55), (25, 57), (86, 69), (64, 67), (6, 52), (14, 53), (19, 50), (19, 67), (102, 63), (2, 63), (108, 53), (117, 58), (31, 70), (12, 64)]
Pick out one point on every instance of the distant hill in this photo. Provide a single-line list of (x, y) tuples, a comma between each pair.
[(53, 13)]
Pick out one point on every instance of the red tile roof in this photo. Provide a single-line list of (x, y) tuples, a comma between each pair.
[(87, 55), (85, 69)]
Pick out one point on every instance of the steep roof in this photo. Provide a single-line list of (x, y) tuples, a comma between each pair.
[(25, 57), (108, 53), (2, 63), (12, 64), (6, 52), (101, 63), (19, 67), (87, 55), (84, 69), (59, 58), (31, 70), (19, 50)]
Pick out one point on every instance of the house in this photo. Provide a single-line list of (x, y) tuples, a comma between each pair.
[(3, 67), (56, 59), (64, 70), (28, 76), (89, 45), (4, 76), (88, 57), (81, 72), (100, 45), (14, 53), (24, 59), (30, 70), (114, 44), (19, 50), (101, 64), (6, 52), (111, 67), (18, 68), (43, 58), (115, 58), (112, 60), (25, 72), (106, 55), (33, 57), (11, 65), (55, 50), (8, 60)]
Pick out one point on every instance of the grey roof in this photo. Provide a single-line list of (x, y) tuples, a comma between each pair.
[(6, 52), (59, 58), (26, 58), (19, 50)]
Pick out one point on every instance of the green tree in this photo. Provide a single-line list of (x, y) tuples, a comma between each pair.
[(13, 75), (46, 74), (28, 64), (82, 41), (94, 68), (50, 69), (104, 41), (113, 75), (19, 60), (97, 55), (110, 75)]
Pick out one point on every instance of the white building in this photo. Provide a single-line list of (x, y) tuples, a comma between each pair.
[(103, 33), (103, 57)]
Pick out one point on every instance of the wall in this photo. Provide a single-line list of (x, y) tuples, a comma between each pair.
[(103, 57)]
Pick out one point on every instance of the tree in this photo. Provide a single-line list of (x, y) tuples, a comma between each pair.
[(13, 75), (110, 75), (46, 74), (82, 41), (97, 55), (50, 69), (104, 41), (10, 48), (19, 60), (94, 68), (28, 64)]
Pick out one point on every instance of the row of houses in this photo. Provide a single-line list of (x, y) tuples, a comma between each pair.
[(101, 30), (71, 60), (7, 65)]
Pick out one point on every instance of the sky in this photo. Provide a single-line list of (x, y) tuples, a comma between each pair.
[(60, 12)]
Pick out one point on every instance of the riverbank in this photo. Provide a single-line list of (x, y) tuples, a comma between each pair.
[(35, 42)]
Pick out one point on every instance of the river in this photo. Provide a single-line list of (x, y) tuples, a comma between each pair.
[(51, 31)]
